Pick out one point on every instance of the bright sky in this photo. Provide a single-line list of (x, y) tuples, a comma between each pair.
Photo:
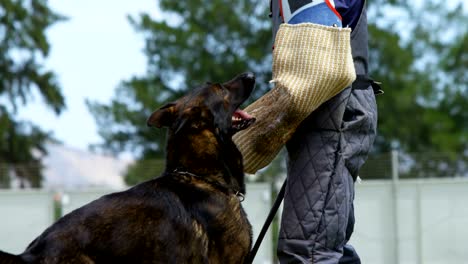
[(91, 53)]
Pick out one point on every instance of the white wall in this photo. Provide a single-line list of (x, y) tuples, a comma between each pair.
[(420, 222), (23, 216), (409, 222)]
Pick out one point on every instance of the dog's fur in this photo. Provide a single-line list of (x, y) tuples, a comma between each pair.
[(191, 214)]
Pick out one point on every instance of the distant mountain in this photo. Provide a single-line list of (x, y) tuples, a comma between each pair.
[(68, 168)]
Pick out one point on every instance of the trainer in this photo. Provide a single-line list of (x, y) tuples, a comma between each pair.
[(329, 147)]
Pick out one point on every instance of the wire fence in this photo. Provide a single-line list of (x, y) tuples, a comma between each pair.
[(393, 165), (415, 165)]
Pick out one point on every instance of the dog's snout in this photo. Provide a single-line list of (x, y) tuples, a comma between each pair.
[(248, 79), (249, 75), (242, 85)]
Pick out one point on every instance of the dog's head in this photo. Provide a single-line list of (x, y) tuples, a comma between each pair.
[(213, 107), (201, 125)]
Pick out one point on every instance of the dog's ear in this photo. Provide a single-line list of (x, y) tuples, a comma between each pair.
[(163, 117)]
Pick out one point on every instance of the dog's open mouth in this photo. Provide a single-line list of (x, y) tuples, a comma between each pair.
[(241, 120)]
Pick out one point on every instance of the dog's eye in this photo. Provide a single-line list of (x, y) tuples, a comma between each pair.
[(223, 88), (198, 125)]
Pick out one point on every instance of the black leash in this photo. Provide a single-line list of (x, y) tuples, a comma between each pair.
[(267, 224)]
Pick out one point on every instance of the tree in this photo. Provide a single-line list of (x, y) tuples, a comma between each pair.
[(23, 48), (422, 71), (420, 54)]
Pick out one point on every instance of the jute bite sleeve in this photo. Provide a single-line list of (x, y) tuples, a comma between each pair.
[(311, 64)]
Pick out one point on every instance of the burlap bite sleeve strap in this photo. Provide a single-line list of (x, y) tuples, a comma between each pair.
[(311, 64)]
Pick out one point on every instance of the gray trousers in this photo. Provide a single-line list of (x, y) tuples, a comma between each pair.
[(324, 157)]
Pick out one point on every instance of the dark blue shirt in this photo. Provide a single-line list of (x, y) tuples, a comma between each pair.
[(350, 11)]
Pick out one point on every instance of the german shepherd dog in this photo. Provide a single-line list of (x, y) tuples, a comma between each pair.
[(190, 214)]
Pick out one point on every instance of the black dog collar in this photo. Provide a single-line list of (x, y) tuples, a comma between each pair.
[(218, 185)]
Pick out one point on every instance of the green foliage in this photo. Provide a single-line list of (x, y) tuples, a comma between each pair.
[(23, 47), (419, 53), (422, 63)]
